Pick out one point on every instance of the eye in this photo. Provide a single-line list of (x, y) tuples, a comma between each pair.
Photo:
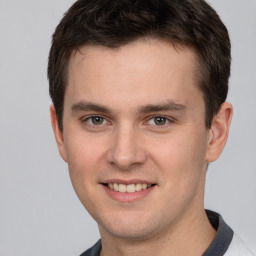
[(158, 120), (95, 120)]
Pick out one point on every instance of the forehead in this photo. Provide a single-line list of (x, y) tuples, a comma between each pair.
[(148, 70)]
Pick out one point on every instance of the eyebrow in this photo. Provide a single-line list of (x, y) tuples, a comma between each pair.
[(84, 106), (88, 106), (169, 106)]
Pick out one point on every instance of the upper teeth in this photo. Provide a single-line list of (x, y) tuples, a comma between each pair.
[(131, 188)]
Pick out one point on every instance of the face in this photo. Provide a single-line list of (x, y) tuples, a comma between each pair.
[(134, 136)]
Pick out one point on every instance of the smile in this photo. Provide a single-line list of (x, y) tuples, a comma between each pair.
[(130, 188), (128, 191)]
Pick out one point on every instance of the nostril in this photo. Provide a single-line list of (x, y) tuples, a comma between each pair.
[(126, 152)]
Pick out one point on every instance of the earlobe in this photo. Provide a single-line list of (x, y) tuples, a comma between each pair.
[(219, 131), (57, 133)]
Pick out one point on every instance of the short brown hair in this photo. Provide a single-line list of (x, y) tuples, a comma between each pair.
[(112, 23)]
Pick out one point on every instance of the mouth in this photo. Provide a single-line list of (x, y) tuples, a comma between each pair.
[(128, 188)]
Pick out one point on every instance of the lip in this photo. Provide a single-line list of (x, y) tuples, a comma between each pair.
[(127, 197), (127, 182)]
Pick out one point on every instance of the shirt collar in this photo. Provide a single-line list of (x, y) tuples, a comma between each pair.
[(218, 247), (223, 237)]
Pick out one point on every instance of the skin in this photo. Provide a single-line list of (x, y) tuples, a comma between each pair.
[(126, 88)]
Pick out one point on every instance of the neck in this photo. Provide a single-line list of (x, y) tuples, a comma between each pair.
[(193, 233)]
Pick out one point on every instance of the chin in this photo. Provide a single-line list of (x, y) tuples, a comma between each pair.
[(137, 228), (129, 232)]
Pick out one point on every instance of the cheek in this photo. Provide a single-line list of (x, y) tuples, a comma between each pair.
[(181, 160), (83, 162), (83, 153)]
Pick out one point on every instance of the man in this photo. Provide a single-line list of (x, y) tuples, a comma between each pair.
[(138, 90)]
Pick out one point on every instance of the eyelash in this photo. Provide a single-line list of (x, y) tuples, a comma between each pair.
[(88, 121), (166, 119)]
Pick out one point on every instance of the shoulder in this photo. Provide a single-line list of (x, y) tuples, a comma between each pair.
[(238, 248), (94, 250)]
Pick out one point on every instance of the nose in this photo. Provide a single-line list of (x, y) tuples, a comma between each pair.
[(126, 150)]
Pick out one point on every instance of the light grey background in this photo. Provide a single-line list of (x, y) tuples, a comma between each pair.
[(39, 211)]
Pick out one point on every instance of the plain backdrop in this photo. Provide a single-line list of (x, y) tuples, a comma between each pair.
[(39, 211)]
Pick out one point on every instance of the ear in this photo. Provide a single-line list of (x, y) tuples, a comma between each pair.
[(58, 133), (218, 133)]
